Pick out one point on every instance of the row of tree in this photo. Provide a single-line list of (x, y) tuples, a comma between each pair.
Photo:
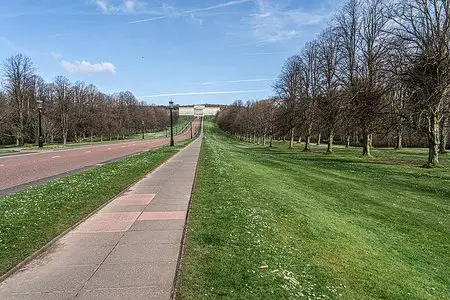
[(379, 72), (70, 112)]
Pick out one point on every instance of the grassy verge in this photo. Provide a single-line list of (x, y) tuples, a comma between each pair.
[(6, 151), (181, 123), (29, 219), (281, 224)]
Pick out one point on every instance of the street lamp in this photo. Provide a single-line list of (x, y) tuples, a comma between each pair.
[(143, 135), (171, 123), (40, 140)]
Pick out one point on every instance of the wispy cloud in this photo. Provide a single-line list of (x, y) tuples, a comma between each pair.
[(147, 20), (205, 93), (120, 6), (272, 23), (264, 53), (171, 11), (57, 35), (238, 81), (56, 55), (221, 5)]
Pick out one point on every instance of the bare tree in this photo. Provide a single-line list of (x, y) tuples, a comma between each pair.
[(18, 74), (424, 26), (63, 100), (288, 88), (330, 104)]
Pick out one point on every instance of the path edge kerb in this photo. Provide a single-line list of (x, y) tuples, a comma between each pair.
[(183, 238), (44, 248)]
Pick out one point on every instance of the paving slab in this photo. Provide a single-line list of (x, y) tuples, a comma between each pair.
[(127, 250)]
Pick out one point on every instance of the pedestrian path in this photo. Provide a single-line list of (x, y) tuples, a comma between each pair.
[(128, 250)]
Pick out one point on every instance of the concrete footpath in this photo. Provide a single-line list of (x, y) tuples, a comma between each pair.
[(128, 250)]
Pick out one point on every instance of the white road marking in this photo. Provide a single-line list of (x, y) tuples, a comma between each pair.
[(109, 148), (2, 165), (57, 156), (88, 151)]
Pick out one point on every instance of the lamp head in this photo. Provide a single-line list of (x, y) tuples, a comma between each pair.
[(39, 104), (171, 104)]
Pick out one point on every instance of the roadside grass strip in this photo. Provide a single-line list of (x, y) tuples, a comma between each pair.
[(30, 219), (274, 223)]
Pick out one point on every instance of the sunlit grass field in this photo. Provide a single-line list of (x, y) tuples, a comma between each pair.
[(274, 223)]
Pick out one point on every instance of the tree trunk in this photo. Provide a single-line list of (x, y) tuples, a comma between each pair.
[(291, 144), (444, 136), (433, 140), (264, 139), (271, 141), (307, 142), (398, 144), (366, 144), (299, 140), (319, 138), (308, 138), (347, 144), (330, 142)]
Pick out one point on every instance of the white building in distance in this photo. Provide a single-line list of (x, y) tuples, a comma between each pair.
[(198, 110)]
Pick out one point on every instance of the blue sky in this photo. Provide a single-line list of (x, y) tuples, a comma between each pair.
[(209, 51)]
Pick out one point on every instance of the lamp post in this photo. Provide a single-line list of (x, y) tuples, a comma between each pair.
[(143, 132), (40, 140), (171, 123)]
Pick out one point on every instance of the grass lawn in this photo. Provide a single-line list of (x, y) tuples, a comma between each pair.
[(29, 219), (274, 223)]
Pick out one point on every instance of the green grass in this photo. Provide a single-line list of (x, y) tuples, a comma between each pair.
[(30, 219), (7, 151), (181, 124), (336, 226)]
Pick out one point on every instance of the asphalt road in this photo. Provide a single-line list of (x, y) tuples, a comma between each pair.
[(18, 172)]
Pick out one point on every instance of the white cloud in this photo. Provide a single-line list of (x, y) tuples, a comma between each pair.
[(205, 93), (85, 67)]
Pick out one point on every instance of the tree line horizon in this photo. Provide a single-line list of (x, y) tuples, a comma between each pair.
[(71, 112), (379, 74)]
